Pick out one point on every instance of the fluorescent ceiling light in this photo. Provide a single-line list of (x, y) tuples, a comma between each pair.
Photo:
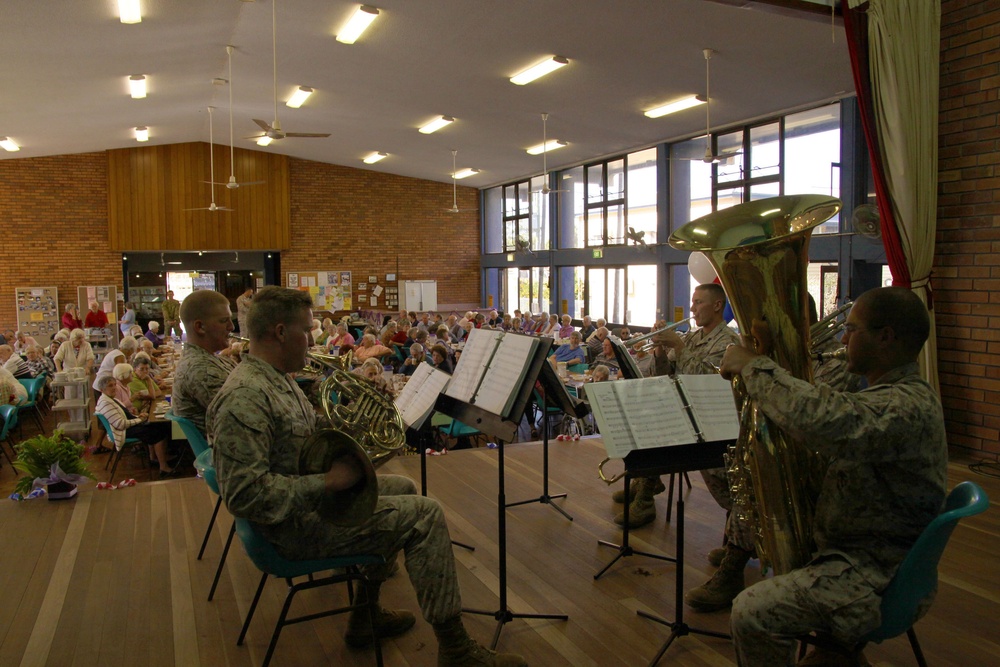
[(548, 146), (264, 141), (465, 173), (137, 86), (9, 144), (436, 124), (357, 24), (129, 11), (175, 263), (299, 96), (142, 133), (676, 105), (372, 158), (539, 70)]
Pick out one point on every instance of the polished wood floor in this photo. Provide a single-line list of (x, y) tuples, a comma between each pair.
[(111, 577)]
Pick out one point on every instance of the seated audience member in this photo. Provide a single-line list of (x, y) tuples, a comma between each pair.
[(38, 363), (153, 333), (886, 480), (595, 344), (146, 347), (516, 326), (71, 318), (587, 329), (328, 331), (12, 392), (22, 341), (124, 424), (506, 323), (572, 352), (439, 355), (142, 389), (425, 322), (372, 371), (127, 321), (646, 363), (96, 318), (341, 339), (624, 333), (259, 431), (123, 355), (600, 373), (417, 357), (567, 327), (464, 331), (75, 353), (444, 335), (317, 329), (528, 323), (606, 357), (386, 321), (420, 338), (14, 364), (479, 320), (369, 349), (550, 327), (494, 319), (136, 332), (52, 350), (201, 372), (122, 373)]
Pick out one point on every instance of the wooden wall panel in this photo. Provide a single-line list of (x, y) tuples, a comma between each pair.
[(150, 189)]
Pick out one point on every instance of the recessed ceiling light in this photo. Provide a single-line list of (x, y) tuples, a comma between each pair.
[(372, 158), (539, 70), (357, 24), (9, 144), (465, 173), (129, 11), (264, 141), (137, 86), (436, 124), (299, 96), (142, 133), (676, 105), (550, 145)]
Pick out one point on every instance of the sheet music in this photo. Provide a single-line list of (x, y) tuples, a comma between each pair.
[(711, 399), (418, 397), (472, 364), (505, 373), (610, 416)]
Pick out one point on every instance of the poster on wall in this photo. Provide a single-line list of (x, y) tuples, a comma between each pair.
[(329, 290), (38, 313)]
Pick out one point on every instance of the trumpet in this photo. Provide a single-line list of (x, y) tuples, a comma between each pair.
[(644, 343)]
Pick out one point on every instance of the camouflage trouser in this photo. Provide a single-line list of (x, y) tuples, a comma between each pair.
[(403, 521), (830, 595), (737, 532)]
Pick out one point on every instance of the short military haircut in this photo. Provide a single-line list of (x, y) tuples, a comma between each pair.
[(715, 292), (199, 304), (901, 310), (274, 305)]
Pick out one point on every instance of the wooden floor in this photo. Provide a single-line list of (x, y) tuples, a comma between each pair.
[(111, 577)]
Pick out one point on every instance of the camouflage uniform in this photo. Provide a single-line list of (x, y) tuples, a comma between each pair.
[(199, 377), (258, 424), (885, 483)]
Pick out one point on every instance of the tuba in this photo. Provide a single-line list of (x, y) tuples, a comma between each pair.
[(760, 251)]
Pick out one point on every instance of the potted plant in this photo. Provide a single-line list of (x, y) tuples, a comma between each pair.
[(53, 461)]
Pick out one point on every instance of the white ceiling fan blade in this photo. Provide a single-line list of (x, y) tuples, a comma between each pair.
[(307, 134)]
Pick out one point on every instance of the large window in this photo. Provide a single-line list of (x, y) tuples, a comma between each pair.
[(622, 294), (525, 289)]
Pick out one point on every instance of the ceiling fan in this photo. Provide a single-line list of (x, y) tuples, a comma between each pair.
[(231, 183), (273, 129), (211, 161), (545, 163), (709, 157), (454, 186)]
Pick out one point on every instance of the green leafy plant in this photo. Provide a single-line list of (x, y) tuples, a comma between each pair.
[(36, 456)]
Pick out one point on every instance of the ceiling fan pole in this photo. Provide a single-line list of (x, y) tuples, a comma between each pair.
[(211, 154), (232, 164), (454, 182), (274, 47)]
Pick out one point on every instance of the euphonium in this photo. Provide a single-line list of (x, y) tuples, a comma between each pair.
[(760, 251)]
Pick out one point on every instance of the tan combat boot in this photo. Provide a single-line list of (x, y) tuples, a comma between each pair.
[(727, 582), (457, 649), (642, 509), (387, 623), (620, 496)]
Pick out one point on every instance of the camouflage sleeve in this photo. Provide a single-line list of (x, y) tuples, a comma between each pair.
[(242, 435), (874, 425)]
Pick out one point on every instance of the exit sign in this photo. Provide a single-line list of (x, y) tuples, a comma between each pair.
[(598, 253)]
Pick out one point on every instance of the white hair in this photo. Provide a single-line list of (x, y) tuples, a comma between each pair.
[(122, 371), (154, 325)]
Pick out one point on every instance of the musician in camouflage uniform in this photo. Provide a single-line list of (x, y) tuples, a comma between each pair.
[(885, 483), (695, 353), (259, 423), (201, 372)]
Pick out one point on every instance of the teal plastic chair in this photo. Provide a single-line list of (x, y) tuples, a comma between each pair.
[(199, 446), (117, 455), (917, 576), (203, 464), (346, 569), (34, 387), (577, 368), (9, 415)]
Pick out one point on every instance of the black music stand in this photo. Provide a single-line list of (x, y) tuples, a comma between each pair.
[(552, 389), (660, 461), (424, 437), (502, 430)]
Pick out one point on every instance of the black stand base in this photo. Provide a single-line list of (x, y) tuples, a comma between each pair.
[(545, 498), (677, 629), (625, 551), (503, 616)]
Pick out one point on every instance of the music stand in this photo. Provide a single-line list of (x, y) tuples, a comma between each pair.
[(552, 388), (423, 438), (501, 430)]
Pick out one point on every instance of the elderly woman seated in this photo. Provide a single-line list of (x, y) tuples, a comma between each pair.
[(573, 353), (567, 327), (146, 348), (38, 363), (439, 355), (17, 366), (124, 424), (153, 333), (549, 327), (369, 349), (75, 353), (21, 342), (143, 390), (12, 392), (341, 338), (123, 355), (417, 356), (328, 330), (601, 373), (372, 371)]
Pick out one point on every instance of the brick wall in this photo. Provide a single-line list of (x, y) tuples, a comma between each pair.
[(346, 219), (54, 214), (967, 261)]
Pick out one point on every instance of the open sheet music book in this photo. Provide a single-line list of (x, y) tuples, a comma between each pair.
[(416, 402), (663, 412), (491, 369)]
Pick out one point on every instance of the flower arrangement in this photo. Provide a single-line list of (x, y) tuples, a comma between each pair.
[(50, 460)]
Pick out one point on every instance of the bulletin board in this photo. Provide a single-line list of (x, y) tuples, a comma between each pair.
[(330, 290), (38, 313)]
